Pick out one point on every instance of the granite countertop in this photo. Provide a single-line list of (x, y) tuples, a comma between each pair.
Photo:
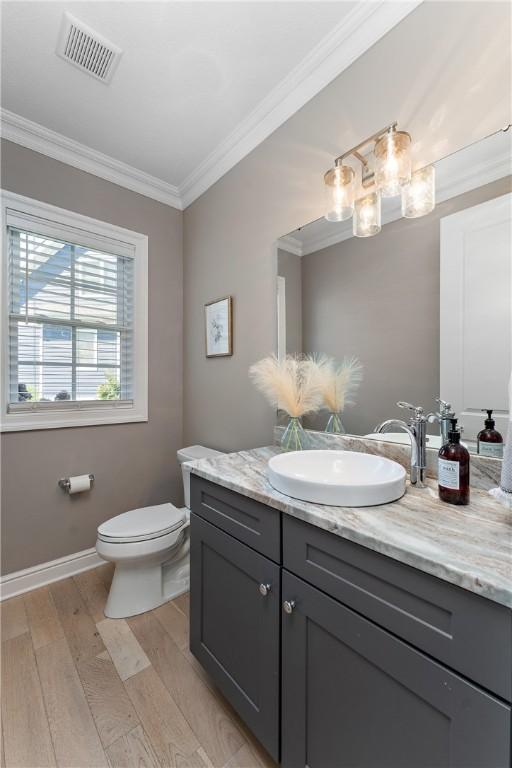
[(468, 546)]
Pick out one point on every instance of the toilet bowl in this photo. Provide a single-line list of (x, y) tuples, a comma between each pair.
[(150, 548)]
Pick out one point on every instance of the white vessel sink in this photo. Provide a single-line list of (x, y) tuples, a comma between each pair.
[(338, 478)]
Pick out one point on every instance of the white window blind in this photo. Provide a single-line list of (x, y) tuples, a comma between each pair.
[(70, 324)]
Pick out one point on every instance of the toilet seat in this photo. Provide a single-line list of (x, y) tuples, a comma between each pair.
[(137, 551), (142, 524)]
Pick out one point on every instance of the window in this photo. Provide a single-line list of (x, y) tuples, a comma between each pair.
[(75, 331)]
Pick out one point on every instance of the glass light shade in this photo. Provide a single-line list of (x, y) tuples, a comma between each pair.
[(419, 195), (367, 215), (392, 162), (339, 190)]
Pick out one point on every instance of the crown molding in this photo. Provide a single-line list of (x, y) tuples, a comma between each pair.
[(463, 175), (358, 31), (319, 243), (464, 180), (40, 139), (290, 244)]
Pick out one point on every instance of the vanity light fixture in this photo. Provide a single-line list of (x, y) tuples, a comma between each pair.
[(392, 161), (386, 171), (419, 195), (339, 188), (367, 215)]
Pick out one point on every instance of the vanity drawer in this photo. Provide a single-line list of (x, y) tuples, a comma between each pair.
[(466, 632), (247, 520)]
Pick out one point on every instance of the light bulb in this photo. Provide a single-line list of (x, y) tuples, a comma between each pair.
[(339, 186), (419, 195), (367, 215), (392, 162)]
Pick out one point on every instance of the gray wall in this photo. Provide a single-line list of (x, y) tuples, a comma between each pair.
[(428, 73), (378, 299), (289, 266), (134, 464)]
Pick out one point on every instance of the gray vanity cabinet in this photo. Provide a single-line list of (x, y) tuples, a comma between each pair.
[(338, 657), (355, 696), (235, 625)]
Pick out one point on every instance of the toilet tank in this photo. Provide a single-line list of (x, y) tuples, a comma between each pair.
[(189, 454)]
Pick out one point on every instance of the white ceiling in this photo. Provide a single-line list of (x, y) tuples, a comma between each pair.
[(191, 76)]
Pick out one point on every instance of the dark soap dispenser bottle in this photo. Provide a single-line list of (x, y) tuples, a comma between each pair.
[(489, 440), (453, 469)]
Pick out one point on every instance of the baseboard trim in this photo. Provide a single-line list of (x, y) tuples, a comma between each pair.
[(17, 583)]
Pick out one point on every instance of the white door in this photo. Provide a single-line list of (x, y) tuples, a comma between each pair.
[(476, 312)]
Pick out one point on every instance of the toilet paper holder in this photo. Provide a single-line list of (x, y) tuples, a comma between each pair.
[(65, 484)]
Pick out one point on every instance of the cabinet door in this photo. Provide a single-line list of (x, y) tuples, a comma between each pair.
[(354, 695), (234, 628)]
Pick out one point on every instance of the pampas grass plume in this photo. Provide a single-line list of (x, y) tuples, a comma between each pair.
[(338, 382), (291, 384)]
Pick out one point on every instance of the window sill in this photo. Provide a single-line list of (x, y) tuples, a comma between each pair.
[(19, 422)]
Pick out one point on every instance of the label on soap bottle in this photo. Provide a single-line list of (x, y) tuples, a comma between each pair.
[(495, 450), (448, 474)]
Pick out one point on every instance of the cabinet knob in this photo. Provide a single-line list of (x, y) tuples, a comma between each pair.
[(265, 589), (288, 606)]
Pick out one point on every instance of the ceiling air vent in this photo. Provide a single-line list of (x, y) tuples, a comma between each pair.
[(87, 50)]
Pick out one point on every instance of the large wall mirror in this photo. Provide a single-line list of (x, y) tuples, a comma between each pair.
[(425, 305)]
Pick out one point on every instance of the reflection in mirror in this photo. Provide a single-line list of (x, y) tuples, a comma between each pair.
[(425, 305)]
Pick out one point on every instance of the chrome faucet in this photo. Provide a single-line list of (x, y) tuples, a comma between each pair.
[(417, 431), (446, 413)]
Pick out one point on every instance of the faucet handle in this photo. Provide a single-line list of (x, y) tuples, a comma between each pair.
[(445, 408), (417, 409)]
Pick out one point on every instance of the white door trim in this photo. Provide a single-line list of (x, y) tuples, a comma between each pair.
[(281, 317)]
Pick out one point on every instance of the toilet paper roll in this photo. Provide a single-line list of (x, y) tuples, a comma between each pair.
[(79, 483)]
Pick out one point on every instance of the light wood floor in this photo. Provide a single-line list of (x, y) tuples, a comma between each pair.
[(83, 691)]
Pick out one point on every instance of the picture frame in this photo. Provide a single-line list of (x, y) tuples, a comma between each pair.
[(218, 316)]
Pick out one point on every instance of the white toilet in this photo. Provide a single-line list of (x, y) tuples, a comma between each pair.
[(150, 547)]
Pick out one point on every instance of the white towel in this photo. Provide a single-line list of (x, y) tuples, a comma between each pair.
[(504, 493)]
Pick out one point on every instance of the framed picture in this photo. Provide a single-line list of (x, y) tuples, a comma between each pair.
[(219, 333)]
